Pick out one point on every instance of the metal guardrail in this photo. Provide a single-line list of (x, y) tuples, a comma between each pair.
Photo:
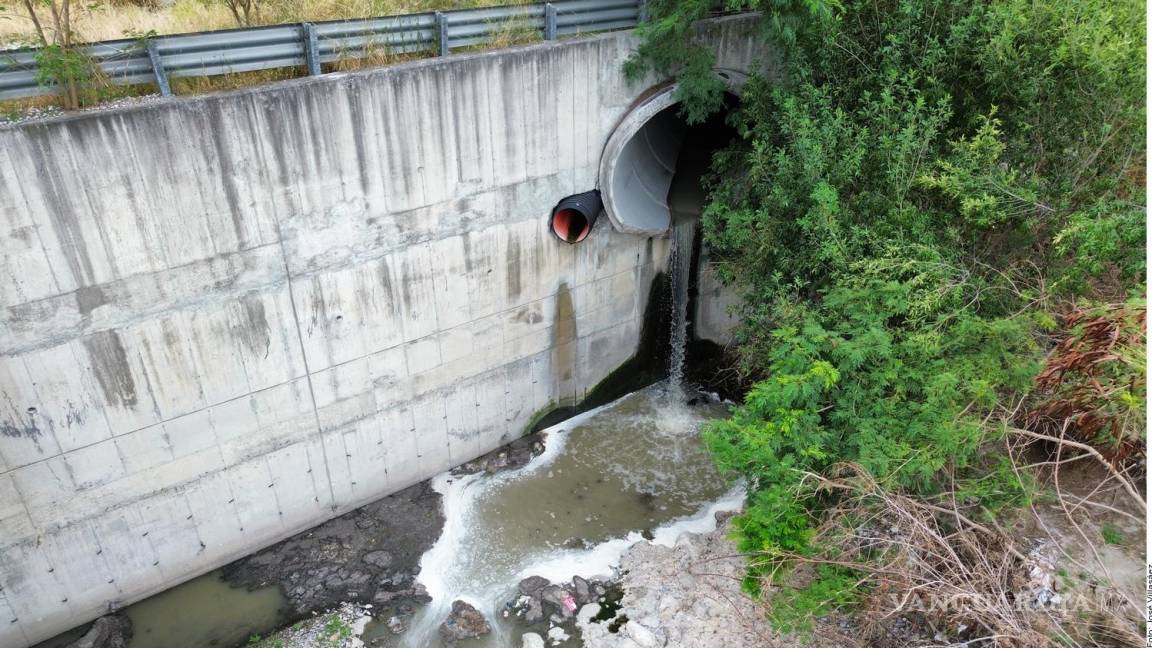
[(310, 45)]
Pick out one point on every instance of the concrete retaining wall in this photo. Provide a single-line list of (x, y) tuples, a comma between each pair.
[(224, 319)]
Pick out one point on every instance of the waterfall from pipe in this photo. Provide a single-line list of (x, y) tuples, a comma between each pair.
[(680, 271)]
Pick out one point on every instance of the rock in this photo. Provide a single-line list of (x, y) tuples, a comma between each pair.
[(379, 559), (583, 595), (510, 457), (535, 610), (112, 631), (531, 640), (554, 594), (464, 622), (533, 584), (369, 555), (557, 635), (587, 612), (396, 625), (653, 607), (641, 635)]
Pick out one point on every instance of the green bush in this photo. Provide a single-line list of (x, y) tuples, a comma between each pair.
[(906, 214)]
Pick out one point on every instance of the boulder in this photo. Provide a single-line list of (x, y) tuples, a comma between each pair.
[(112, 631), (642, 635), (531, 640), (533, 584), (586, 613), (464, 622), (535, 610), (583, 594), (379, 559), (553, 594)]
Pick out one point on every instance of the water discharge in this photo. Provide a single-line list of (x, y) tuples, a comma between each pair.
[(680, 272), (607, 479)]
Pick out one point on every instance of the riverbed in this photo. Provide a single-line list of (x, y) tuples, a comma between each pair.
[(631, 471)]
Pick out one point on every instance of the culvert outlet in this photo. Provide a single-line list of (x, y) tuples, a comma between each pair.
[(573, 217), (640, 158)]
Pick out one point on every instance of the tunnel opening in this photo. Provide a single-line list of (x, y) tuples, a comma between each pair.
[(698, 144), (643, 155)]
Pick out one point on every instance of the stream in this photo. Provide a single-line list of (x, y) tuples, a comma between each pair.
[(608, 478)]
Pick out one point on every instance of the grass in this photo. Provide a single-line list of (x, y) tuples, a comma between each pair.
[(337, 631), (1111, 535), (112, 19), (115, 19)]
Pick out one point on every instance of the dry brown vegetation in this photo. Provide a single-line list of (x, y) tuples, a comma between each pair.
[(112, 19), (933, 575), (108, 19)]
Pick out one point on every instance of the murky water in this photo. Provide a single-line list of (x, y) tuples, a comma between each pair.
[(607, 478), (205, 612)]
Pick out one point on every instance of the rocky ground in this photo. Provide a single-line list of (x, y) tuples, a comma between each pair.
[(683, 596), (339, 628), (363, 564), (368, 556)]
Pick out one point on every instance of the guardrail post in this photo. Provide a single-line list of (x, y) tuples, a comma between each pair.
[(158, 69), (311, 49), (442, 33), (643, 17), (549, 21)]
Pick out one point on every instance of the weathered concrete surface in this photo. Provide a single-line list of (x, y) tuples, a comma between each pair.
[(228, 318), (715, 314)]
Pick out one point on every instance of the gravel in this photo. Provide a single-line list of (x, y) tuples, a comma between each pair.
[(37, 113), (337, 628), (685, 596)]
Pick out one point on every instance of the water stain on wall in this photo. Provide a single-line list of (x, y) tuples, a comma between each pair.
[(254, 328), (20, 430), (110, 363), (514, 267), (564, 343), (89, 298), (54, 184)]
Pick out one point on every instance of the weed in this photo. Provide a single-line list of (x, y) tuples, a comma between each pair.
[(1111, 535)]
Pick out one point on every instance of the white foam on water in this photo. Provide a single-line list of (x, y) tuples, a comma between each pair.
[(604, 558), (702, 522), (459, 495), (448, 569)]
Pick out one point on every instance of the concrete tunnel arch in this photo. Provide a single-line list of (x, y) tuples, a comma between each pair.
[(639, 159)]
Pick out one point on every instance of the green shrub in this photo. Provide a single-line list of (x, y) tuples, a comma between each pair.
[(907, 214)]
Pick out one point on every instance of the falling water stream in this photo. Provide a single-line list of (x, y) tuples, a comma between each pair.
[(680, 274)]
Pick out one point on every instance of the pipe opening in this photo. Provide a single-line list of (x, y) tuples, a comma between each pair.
[(570, 225), (573, 217), (686, 191), (643, 156)]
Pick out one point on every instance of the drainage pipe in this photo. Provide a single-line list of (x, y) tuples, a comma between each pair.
[(573, 217), (640, 157)]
